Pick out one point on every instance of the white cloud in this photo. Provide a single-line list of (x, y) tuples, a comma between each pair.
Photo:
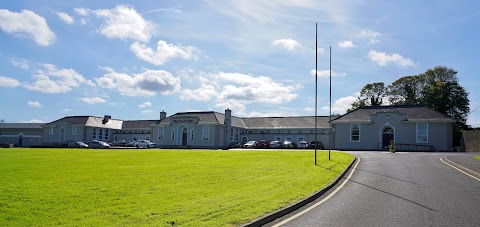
[(346, 44), (163, 53), (124, 22), (147, 112), (92, 100), (65, 18), (34, 104), (8, 82), (372, 36), (81, 11), (341, 105), (326, 73), (288, 44), (54, 80), (20, 63), (236, 90), (33, 121), (147, 83), (27, 23), (145, 105), (383, 59)]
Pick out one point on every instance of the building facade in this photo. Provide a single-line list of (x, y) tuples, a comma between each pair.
[(410, 127), (21, 134)]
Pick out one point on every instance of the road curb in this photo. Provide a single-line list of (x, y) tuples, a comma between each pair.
[(286, 210), (463, 168)]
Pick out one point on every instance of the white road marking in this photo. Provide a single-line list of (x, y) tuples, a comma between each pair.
[(321, 201), (441, 159)]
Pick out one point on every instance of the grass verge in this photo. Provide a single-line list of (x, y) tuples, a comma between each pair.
[(477, 157), (80, 187)]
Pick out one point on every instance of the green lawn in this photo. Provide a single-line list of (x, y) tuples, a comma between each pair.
[(83, 187), (477, 157)]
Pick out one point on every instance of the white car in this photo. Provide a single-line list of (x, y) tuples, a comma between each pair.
[(275, 144), (144, 144), (250, 144), (303, 144)]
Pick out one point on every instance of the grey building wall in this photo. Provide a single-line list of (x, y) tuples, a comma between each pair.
[(216, 135), (405, 134), (294, 135)]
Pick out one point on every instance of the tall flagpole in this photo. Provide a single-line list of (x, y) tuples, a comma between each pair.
[(316, 89), (330, 121)]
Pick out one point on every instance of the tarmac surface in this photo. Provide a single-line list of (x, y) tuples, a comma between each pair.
[(465, 161)]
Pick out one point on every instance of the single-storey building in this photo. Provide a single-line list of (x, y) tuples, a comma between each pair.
[(80, 128), (409, 127), (21, 134), (134, 130)]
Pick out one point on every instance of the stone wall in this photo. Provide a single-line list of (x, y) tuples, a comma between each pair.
[(471, 139)]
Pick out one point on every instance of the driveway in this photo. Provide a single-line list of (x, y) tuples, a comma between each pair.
[(401, 189)]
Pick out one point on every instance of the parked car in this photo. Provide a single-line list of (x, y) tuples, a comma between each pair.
[(98, 144), (120, 143), (144, 144), (263, 144), (130, 144), (275, 144), (78, 144), (303, 144), (319, 145), (250, 144), (289, 144), (237, 145)]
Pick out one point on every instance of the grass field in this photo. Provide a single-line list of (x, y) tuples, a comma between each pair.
[(83, 187)]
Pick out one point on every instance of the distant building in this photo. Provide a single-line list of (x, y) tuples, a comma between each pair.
[(21, 134)]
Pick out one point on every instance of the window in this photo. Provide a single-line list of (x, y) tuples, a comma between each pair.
[(94, 133), (100, 133), (244, 139), (249, 132), (354, 132), (237, 135), (422, 132), (147, 137), (115, 138), (50, 131), (206, 132), (289, 138), (173, 134), (74, 131), (160, 132), (191, 134), (300, 139), (231, 134), (106, 134), (262, 132)]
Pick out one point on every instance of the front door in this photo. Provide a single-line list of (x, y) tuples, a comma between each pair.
[(387, 136), (184, 137)]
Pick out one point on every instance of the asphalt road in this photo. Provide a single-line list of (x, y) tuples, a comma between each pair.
[(401, 189)]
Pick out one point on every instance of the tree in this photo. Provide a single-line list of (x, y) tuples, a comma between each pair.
[(370, 95), (405, 91), (443, 93)]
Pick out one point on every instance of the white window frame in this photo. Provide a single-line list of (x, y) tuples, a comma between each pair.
[(161, 132), (418, 133), (94, 133), (100, 133), (50, 131), (206, 133), (351, 133), (105, 136), (74, 131)]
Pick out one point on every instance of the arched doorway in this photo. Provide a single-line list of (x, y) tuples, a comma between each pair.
[(388, 134), (184, 137)]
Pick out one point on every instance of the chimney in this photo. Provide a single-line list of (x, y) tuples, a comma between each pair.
[(163, 115), (106, 118), (228, 117)]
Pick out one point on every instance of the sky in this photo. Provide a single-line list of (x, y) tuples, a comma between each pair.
[(133, 59)]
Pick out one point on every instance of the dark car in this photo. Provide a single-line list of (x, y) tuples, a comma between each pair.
[(289, 144), (263, 144), (77, 144), (318, 144), (98, 144), (237, 145)]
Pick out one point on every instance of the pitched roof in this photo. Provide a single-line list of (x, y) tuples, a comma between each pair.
[(412, 113), (21, 125), (88, 121), (137, 124), (208, 117), (286, 122)]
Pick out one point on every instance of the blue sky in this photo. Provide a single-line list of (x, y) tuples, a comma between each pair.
[(133, 59)]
